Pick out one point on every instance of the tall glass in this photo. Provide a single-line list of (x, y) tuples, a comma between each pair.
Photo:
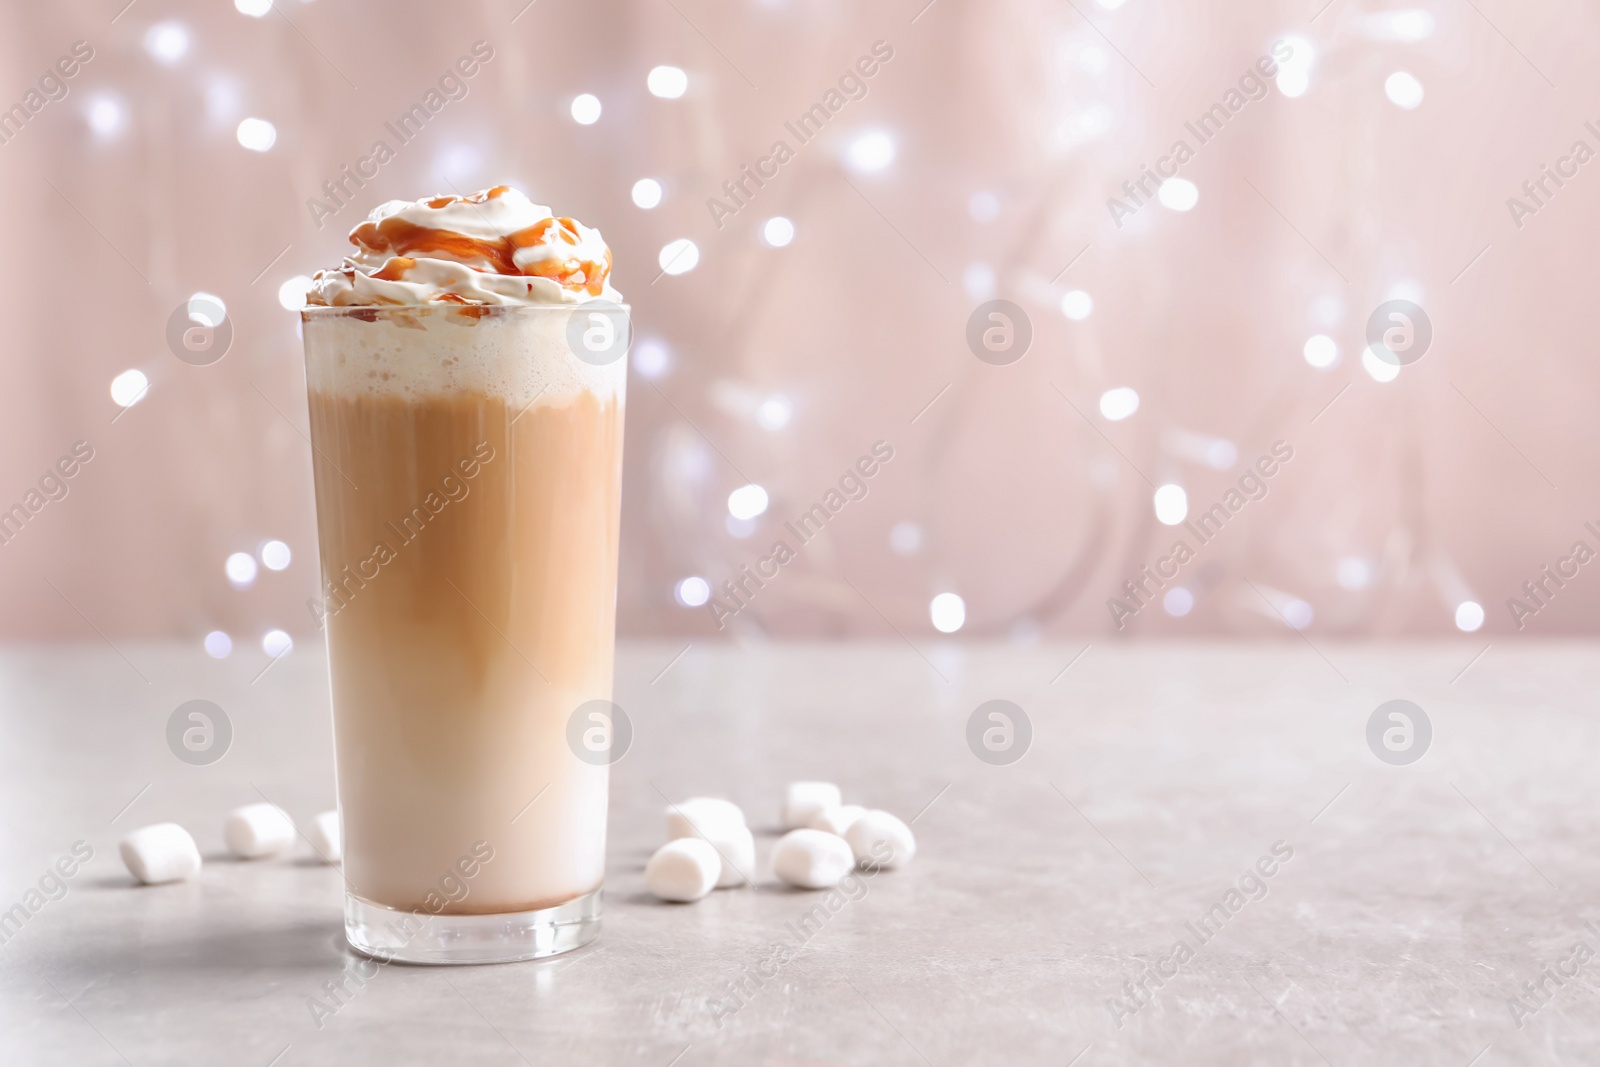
[(468, 466)]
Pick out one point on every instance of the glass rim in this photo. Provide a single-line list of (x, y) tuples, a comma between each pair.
[(441, 306)]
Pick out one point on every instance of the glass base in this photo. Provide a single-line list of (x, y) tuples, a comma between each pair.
[(391, 935)]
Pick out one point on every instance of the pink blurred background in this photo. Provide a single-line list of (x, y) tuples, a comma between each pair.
[(1377, 164)]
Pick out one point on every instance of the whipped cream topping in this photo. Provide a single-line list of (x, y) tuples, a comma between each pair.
[(493, 247)]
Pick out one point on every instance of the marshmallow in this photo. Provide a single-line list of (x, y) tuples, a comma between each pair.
[(812, 859), (736, 846), (879, 839), (683, 869), (803, 800), (698, 814), (161, 853), (836, 820), (326, 841), (257, 830)]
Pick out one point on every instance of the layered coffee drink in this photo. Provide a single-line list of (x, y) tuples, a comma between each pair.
[(466, 386)]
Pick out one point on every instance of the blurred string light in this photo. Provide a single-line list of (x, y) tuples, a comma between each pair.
[(167, 42), (292, 293), (224, 100), (207, 309), (1380, 369), (129, 387), (905, 538), (1407, 26), (978, 281), (1354, 573), (1077, 305), (1405, 289), (1469, 616), (692, 592), (586, 109), (454, 163), (1321, 351), (651, 358), (646, 193), (1111, 5), (1117, 404), (275, 555), (948, 612), (218, 645), (669, 83), (240, 569), (777, 231), (258, 135), (1177, 602), (1218, 453), (747, 502), (1327, 311), (871, 151), (1294, 73), (106, 116), (1178, 194), (276, 643), (1088, 123), (983, 206), (774, 413), (1297, 613), (1403, 90), (254, 8), (1172, 504), (679, 256)]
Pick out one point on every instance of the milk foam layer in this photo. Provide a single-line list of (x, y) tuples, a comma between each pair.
[(515, 354), (493, 247)]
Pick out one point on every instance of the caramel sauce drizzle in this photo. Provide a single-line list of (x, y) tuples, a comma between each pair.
[(404, 241)]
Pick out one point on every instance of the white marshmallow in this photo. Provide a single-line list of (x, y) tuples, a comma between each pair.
[(161, 853), (879, 839), (257, 830), (812, 859), (804, 800), (683, 869), (737, 848), (697, 814), (326, 840), (836, 820)]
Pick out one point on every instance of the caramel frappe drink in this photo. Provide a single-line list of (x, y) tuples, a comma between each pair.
[(466, 385)]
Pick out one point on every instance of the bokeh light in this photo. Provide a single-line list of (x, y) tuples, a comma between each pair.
[(1179, 194), (777, 231), (679, 256), (586, 109), (747, 501), (129, 387), (1077, 305), (1117, 404), (1403, 90), (646, 193), (1321, 351), (692, 592), (871, 151), (258, 135), (275, 555), (167, 42), (669, 83), (1172, 504), (948, 612)]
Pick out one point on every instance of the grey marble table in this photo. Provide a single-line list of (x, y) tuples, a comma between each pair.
[(1430, 913)]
